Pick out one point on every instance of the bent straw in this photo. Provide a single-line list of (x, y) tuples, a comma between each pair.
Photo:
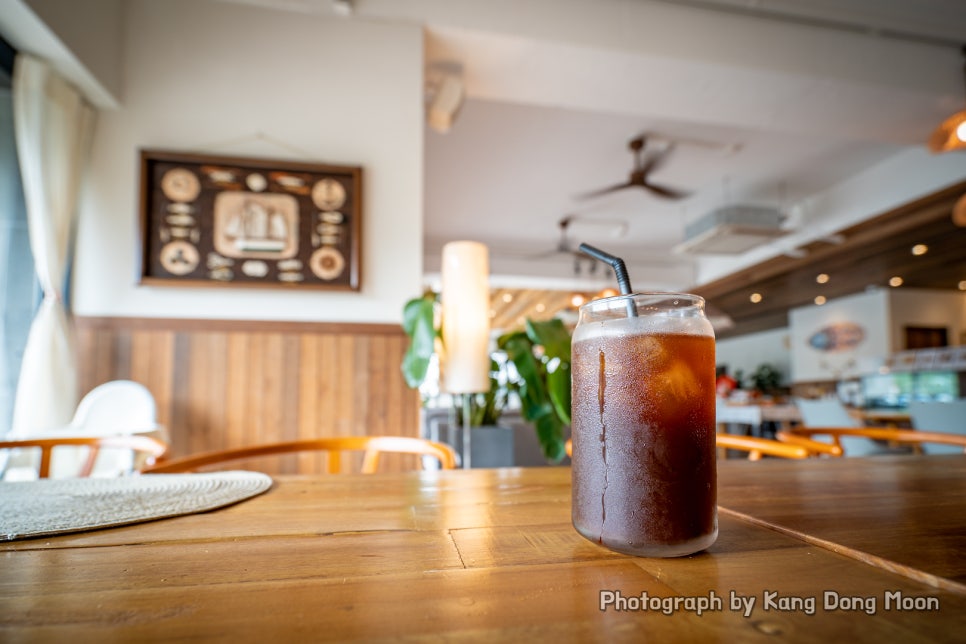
[(620, 270)]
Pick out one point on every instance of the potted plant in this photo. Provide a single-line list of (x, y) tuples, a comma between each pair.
[(766, 378), (538, 371)]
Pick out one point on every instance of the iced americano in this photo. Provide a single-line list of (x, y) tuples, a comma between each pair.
[(643, 425)]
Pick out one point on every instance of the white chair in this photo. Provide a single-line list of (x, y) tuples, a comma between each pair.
[(116, 408), (830, 412), (947, 417), (825, 412)]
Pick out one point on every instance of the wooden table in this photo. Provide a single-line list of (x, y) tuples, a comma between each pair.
[(755, 415), (489, 555)]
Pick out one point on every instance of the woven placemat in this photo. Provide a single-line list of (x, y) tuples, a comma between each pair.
[(55, 506)]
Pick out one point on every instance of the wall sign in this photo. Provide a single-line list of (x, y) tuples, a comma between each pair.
[(208, 220), (840, 336)]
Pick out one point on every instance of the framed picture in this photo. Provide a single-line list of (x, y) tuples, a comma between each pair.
[(209, 220)]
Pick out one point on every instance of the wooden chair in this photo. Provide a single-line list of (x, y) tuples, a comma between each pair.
[(816, 447), (757, 447), (115, 408), (905, 436), (334, 447), (825, 412), (152, 448)]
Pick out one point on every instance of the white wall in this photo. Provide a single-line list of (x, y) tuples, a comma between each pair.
[(870, 311), (929, 308), (218, 78), (745, 353)]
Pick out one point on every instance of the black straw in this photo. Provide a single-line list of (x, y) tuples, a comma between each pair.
[(620, 270)]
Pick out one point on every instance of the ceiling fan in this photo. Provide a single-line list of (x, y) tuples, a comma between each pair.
[(566, 246), (639, 176)]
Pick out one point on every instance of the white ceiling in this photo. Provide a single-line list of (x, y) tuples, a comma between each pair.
[(828, 103), (552, 104)]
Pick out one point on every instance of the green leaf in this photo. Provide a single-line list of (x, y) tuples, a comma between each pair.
[(550, 435), (558, 386), (543, 384), (418, 324), (533, 394), (415, 310), (552, 335)]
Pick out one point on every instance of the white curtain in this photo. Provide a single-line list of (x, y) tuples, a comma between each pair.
[(53, 126)]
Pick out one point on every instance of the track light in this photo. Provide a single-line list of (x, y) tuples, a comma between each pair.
[(447, 99)]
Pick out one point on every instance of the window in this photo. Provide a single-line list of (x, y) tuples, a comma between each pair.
[(19, 293)]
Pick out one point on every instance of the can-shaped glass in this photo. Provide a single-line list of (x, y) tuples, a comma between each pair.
[(643, 425)]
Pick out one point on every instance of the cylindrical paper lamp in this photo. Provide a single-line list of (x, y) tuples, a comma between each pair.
[(466, 317)]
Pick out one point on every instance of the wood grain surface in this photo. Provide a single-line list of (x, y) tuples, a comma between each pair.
[(224, 383), (490, 555), (890, 510)]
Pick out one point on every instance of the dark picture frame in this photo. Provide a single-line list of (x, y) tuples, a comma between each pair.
[(245, 222)]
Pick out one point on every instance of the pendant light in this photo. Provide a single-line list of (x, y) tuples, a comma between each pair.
[(951, 133)]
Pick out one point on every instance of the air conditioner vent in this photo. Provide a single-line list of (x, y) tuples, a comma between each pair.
[(731, 230)]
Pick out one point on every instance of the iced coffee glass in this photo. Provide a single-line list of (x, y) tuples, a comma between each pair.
[(644, 475)]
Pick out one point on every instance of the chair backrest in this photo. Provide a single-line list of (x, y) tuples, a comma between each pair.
[(947, 417), (825, 412), (817, 448), (830, 412), (334, 447), (889, 434), (150, 447), (116, 407), (758, 447)]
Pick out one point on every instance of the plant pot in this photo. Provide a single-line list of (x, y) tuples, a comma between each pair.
[(490, 445)]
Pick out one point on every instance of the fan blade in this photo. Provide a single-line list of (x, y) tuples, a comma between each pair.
[(665, 191), (547, 254), (655, 161), (604, 191)]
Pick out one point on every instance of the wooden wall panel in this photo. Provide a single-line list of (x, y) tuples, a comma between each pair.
[(222, 384)]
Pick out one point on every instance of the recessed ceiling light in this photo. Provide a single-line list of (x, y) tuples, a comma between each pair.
[(822, 278), (755, 298), (540, 307), (577, 299), (895, 281), (820, 300), (920, 249), (962, 285), (508, 297)]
